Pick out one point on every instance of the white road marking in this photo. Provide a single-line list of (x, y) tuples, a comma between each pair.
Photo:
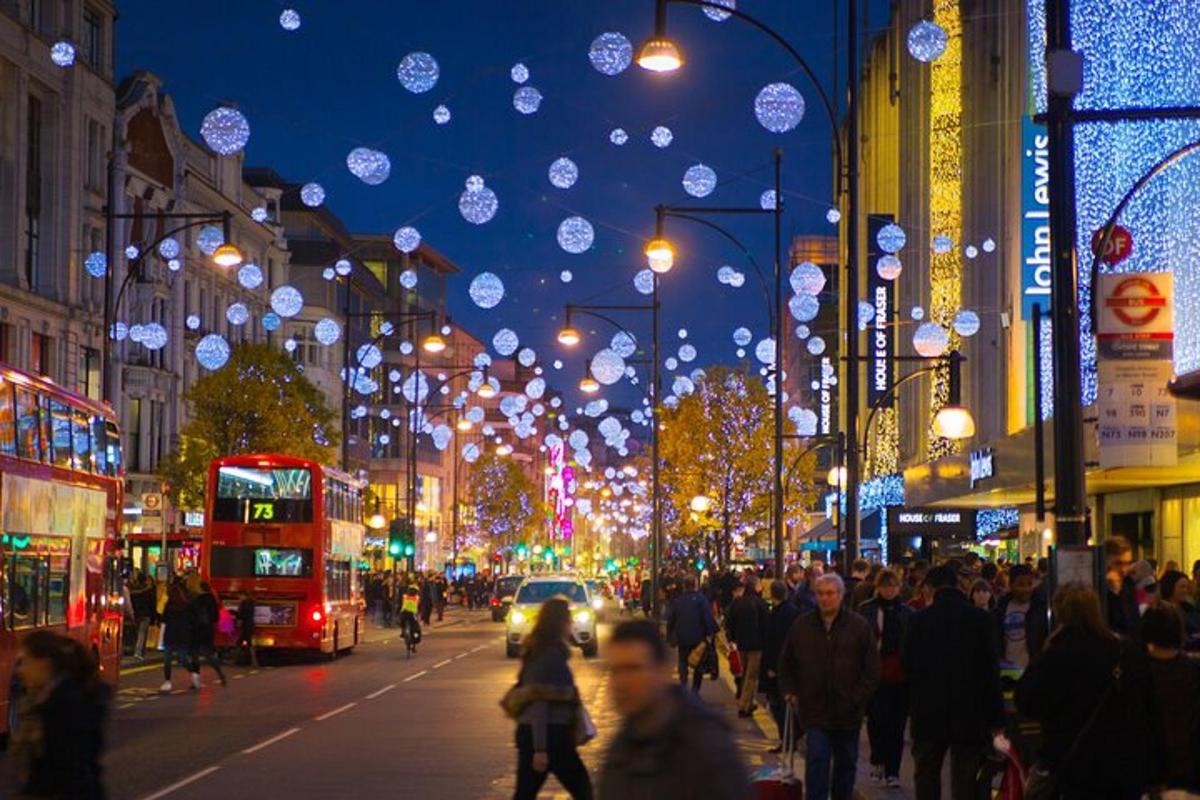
[(414, 676), (238, 677), (385, 689), (478, 648), (269, 742), (461, 655), (180, 784), (124, 706), (335, 712), (441, 664)]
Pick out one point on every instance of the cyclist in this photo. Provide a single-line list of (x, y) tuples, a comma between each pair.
[(410, 628)]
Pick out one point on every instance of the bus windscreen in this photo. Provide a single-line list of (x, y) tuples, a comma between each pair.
[(263, 495)]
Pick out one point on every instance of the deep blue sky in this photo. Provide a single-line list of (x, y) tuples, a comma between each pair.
[(314, 94)]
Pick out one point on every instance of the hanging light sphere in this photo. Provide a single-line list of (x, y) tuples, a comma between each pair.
[(816, 345), (486, 290), (618, 136), (372, 167), (527, 100), (966, 323), (989, 245), (259, 214), (519, 73), (804, 307), (406, 239), (289, 19), (441, 115), (891, 238), (661, 136), (237, 314), (209, 239), (327, 331), (96, 264), (931, 340), (563, 173), (418, 72), (764, 351), (889, 267), (154, 336), (212, 351), (766, 200), (286, 301), (575, 235), (942, 244), (643, 281), (62, 53), (807, 278), (917, 313), (225, 130), (742, 337), (926, 41), (312, 194), (607, 367), (192, 322), (505, 342), (700, 180), (271, 321), (717, 15), (779, 107), (611, 53), (408, 279), (565, 276), (477, 203)]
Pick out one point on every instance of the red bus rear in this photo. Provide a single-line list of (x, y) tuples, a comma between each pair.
[(61, 495), (287, 532)]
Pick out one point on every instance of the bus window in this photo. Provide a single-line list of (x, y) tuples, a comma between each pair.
[(60, 416), (99, 446), (81, 440), (250, 494), (114, 458), (57, 589), (337, 581), (8, 442), (261, 562), (24, 591), (27, 425)]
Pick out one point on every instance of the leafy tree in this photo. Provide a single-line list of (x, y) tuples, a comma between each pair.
[(259, 402), (503, 499)]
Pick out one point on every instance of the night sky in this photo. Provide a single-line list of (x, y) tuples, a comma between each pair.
[(314, 94)]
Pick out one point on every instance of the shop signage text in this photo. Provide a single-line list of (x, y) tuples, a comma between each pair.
[(1035, 217), (950, 522), (983, 465)]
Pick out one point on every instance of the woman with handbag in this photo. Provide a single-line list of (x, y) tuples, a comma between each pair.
[(1091, 691), (551, 719)]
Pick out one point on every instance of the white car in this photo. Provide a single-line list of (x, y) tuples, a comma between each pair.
[(536, 590)]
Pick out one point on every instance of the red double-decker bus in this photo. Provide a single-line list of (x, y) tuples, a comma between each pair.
[(287, 532), (61, 495)]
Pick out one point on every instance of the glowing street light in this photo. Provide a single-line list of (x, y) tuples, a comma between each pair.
[(433, 343), (954, 420), (659, 54), (569, 336), (660, 255), (486, 390), (227, 255), (836, 477), (589, 385)]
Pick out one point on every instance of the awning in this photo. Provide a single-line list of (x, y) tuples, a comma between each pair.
[(1186, 386)]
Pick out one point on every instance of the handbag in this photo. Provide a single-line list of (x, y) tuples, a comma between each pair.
[(585, 728), (735, 661), (1042, 782)]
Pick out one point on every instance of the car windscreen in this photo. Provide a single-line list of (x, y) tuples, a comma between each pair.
[(541, 591), (506, 586)]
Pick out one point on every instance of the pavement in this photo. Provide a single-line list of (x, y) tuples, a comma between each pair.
[(373, 723)]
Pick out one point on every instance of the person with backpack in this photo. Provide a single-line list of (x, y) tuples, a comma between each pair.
[(690, 624)]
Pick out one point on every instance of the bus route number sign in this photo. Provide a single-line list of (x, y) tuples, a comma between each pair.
[(262, 510)]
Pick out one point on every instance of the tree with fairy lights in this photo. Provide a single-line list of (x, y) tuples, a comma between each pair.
[(503, 498), (259, 402)]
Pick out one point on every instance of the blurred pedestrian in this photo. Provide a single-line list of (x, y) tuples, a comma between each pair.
[(1176, 682), (179, 623), (245, 629), (1176, 588), (1122, 594), (690, 624), (60, 734), (142, 596), (949, 656), (670, 744), (746, 628), (1091, 692), (982, 596), (440, 588), (828, 670), (888, 710), (779, 623), (548, 709), (206, 613), (426, 606)]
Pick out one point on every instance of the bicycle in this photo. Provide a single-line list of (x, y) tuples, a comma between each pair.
[(411, 635)]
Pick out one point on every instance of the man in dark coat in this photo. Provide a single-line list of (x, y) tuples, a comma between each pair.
[(689, 623), (779, 623), (746, 627), (950, 658), (828, 669), (670, 743)]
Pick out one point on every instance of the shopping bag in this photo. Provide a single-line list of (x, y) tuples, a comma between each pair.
[(585, 728), (697, 654), (226, 622), (735, 661), (780, 782)]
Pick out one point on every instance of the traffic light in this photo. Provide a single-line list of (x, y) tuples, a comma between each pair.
[(522, 551), (400, 539)]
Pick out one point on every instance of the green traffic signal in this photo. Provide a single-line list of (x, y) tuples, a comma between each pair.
[(394, 548), (409, 550)]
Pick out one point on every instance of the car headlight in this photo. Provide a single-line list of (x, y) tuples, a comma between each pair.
[(516, 618), (583, 617), (597, 603)]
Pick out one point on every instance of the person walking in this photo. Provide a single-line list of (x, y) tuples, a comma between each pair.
[(828, 670), (205, 615), (887, 712), (779, 623), (142, 596), (547, 707), (1021, 619), (1176, 682), (746, 627), (179, 623), (440, 588), (245, 629), (1092, 692), (670, 744), (949, 655), (1122, 590), (426, 605), (60, 734), (690, 624)]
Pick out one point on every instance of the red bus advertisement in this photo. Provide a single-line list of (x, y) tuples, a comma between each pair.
[(61, 495), (288, 533)]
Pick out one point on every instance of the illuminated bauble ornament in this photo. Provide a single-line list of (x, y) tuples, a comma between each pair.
[(470, 452), (766, 200), (643, 281), (212, 351), (441, 436), (168, 248), (62, 53), (970, 251), (527, 100), (286, 301), (866, 313), (343, 267), (807, 278), (682, 385), (441, 115), (289, 20), (764, 351), (607, 367), (328, 273), (575, 235), (225, 130), (154, 336), (519, 73), (725, 274), (989, 245), (136, 332), (368, 356), (687, 353), (209, 239), (779, 107), (527, 357), (406, 348), (406, 239), (418, 72), (699, 180), (805, 421), (889, 267), (891, 238), (930, 340), (942, 244), (611, 53), (192, 322), (563, 173), (535, 388), (119, 331), (804, 307), (917, 313), (271, 321), (802, 331), (926, 41), (372, 167), (717, 15), (816, 345), (132, 252), (96, 264), (477, 203), (259, 214), (174, 265), (661, 136), (833, 216), (966, 323), (737, 279), (237, 314), (565, 276), (408, 279), (623, 344), (486, 290), (742, 336), (505, 342), (618, 136), (327, 331)]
